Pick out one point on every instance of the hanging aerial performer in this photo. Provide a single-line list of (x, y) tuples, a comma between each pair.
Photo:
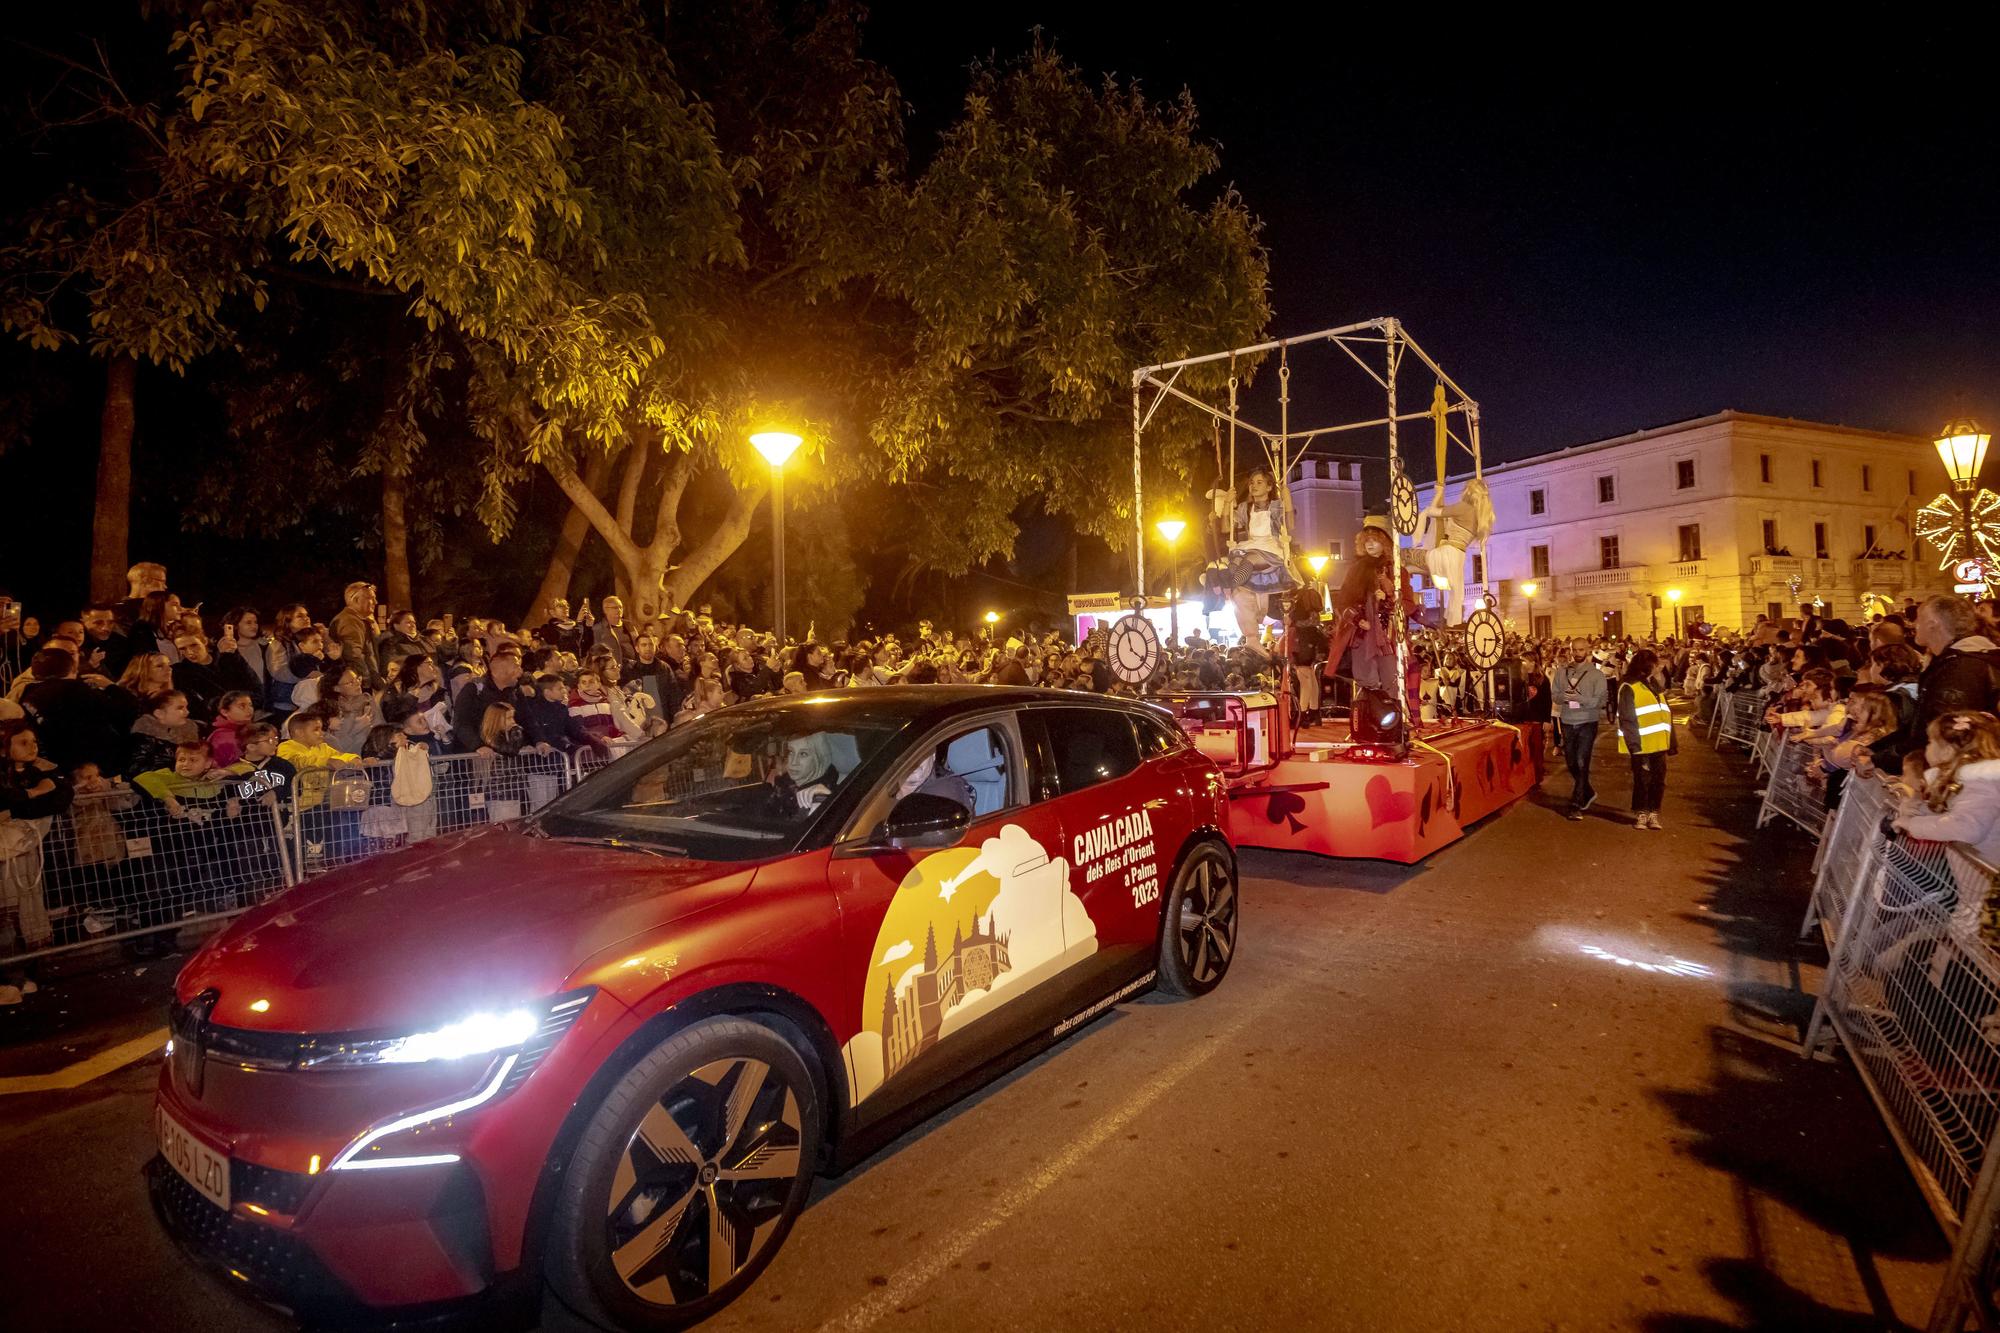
[(1446, 530), (1260, 553)]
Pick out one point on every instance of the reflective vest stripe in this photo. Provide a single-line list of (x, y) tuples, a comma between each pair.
[(1655, 731)]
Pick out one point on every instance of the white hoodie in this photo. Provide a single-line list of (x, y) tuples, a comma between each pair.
[(1973, 817)]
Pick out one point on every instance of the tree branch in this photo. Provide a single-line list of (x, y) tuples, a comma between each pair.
[(666, 534), (593, 509), (628, 484), (720, 543)]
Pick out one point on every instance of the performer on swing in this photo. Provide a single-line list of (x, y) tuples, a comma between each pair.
[(1259, 553)]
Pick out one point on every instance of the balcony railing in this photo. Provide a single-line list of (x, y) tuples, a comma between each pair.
[(1886, 575), (1602, 580), (1776, 568), (1682, 570)]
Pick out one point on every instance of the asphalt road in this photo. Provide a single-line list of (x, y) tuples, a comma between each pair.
[(1545, 1081)]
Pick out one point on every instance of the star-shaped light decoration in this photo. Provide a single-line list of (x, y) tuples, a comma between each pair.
[(1942, 524)]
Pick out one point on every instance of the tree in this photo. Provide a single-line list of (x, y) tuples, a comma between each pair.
[(1055, 243)]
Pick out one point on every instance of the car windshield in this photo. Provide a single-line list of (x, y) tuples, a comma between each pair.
[(730, 786)]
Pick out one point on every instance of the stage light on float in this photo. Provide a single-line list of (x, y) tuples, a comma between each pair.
[(1377, 721)]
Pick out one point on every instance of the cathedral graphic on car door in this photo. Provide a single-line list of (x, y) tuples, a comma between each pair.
[(970, 929)]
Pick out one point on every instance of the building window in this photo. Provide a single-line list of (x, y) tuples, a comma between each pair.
[(1867, 477), (1538, 561), (1684, 474), (1347, 472), (1819, 541), (1868, 539), (1816, 474), (1775, 612), (1538, 502), (1764, 468), (1690, 541), (1333, 548), (1770, 536), (1479, 569), (1607, 553), (1607, 490)]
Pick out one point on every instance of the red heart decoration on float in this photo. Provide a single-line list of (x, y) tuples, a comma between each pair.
[(1386, 806)]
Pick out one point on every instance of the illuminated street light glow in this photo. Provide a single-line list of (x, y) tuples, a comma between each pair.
[(1528, 588), (777, 446), (1170, 529), (992, 617), (1316, 563), (1673, 594), (1962, 447)]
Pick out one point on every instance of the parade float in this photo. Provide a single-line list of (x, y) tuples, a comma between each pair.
[(1380, 782)]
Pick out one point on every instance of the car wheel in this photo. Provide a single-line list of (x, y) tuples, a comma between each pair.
[(1198, 933), (686, 1180)]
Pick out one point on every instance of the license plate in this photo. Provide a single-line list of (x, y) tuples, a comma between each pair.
[(200, 1165)]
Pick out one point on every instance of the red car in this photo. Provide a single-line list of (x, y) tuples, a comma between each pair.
[(594, 1059)]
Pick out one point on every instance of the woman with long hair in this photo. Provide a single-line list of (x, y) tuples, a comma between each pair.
[(160, 617), (1646, 734)]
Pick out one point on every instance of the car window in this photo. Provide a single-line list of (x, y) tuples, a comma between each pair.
[(1158, 735), (728, 786), (1091, 745), (970, 767)]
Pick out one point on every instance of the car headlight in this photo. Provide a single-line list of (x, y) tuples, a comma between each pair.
[(484, 1033)]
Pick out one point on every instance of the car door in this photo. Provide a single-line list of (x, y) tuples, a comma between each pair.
[(1121, 826), (947, 949)]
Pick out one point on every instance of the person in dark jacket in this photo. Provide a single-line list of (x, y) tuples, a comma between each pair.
[(204, 679), (162, 729), (612, 633), (354, 627), (1531, 713), (31, 787), (498, 686), (75, 725), (105, 650), (1964, 670)]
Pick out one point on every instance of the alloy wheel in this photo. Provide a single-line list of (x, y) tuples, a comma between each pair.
[(703, 1181), (1207, 926)]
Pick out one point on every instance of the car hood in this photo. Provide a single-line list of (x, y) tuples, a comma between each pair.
[(463, 923)]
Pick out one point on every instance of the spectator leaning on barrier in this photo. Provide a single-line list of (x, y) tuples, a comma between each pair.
[(32, 792), (1956, 797)]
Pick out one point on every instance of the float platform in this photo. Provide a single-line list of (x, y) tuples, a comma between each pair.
[(1334, 799)]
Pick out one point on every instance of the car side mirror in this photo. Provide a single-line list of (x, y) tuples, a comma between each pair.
[(925, 821)]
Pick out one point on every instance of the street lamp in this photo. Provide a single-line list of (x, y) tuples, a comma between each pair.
[(1674, 596), (1171, 529), (777, 447), (1529, 589), (1966, 526)]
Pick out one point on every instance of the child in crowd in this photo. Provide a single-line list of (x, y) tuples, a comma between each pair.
[(591, 711), (316, 763), (1959, 797), (236, 709), (545, 717), (158, 733), (192, 787), (258, 773)]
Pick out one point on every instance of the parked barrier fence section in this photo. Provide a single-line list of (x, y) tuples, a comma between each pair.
[(120, 864), (1797, 787), (1742, 720)]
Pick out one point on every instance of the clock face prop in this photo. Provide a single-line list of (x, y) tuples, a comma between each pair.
[(1403, 503), (1485, 639), (1135, 650)]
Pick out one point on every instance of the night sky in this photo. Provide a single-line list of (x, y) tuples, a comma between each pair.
[(1590, 241)]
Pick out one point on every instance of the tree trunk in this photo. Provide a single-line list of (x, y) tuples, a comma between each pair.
[(716, 547), (395, 536), (569, 546), (112, 524)]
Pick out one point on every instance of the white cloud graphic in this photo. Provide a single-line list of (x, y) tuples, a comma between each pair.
[(895, 951)]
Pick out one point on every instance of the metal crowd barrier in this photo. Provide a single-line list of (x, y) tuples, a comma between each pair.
[(343, 817), (1912, 991), (120, 864), (1742, 720), (1796, 791)]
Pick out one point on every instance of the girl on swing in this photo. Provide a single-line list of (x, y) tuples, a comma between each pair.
[(1259, 553)]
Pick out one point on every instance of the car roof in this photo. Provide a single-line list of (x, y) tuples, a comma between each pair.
[(934, 703)]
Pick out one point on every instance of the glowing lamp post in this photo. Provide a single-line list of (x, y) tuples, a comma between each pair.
[(1674, 596), (777, 447), (1964, 526), (992, 618), (1529, 590), (1170, 530)]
